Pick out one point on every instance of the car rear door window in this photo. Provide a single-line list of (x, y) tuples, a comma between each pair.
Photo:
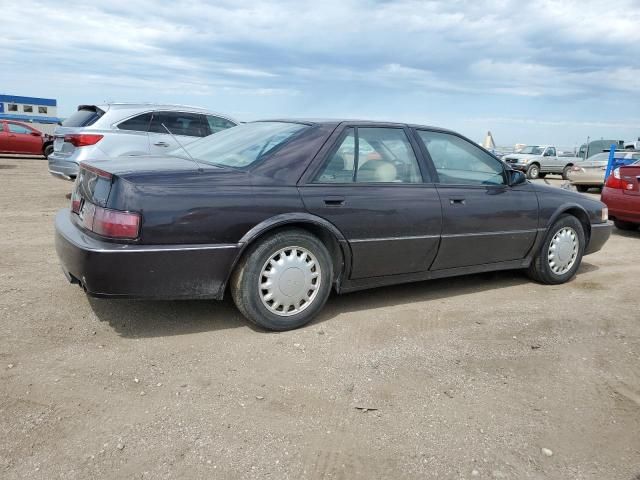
[(459, 162), (139, 123), (217, 124), (371, 155), (179, 123)]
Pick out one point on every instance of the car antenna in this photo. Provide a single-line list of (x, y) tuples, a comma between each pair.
[(182, 147)]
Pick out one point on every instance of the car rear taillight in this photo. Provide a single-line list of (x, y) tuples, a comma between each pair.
[(616, 181), (97, 171), (82, 139), (109, 223), (116, 224)]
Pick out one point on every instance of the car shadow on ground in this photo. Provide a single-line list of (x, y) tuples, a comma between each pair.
[(141, 319)]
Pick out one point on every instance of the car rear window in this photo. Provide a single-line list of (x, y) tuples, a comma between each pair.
[(83, 117), (243, 145)]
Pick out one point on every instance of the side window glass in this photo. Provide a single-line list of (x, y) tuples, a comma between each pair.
[(139, 123), (13, 128), (460, 162), (178, 123), (217, 124), (340, 166), (552, 152), (384, 155)]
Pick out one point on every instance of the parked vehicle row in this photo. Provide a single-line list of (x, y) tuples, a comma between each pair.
[(278, 213), (120, 129), (21, 138)]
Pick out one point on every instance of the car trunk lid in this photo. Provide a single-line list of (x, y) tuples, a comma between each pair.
[(631, 177)]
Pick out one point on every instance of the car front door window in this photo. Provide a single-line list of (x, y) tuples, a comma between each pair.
[(459, 162)]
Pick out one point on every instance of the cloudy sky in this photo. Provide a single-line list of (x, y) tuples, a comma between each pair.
[(539, 71)]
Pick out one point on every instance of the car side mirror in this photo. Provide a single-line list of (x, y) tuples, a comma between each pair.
[(516, 177)]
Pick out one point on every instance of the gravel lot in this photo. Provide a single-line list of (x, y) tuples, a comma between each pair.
[(461, 378)]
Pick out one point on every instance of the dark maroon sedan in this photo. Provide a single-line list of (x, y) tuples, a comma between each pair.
[(281, 212)]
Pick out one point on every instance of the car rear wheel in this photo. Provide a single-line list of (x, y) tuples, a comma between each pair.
[(565, 172), (622, 225), (533, 171), (283, 281), (561, 253)]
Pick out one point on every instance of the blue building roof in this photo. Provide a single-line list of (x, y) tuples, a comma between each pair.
[(29, 118), (49, 102)]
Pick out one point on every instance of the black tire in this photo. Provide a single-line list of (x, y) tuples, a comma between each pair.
[(565, 172), (48, 150), (583, 188), (246, 291), (542, 175), (627, 226), (540, 270), (533, 171)]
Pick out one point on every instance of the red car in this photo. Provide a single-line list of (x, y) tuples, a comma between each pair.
[(18, 137), (621, 194)]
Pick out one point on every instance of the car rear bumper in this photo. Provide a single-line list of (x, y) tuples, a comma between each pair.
[(595, 178), (106, 269), (62, 167), (600, 233)]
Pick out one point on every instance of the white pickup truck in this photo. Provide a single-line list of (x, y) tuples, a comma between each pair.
[(538, 160)]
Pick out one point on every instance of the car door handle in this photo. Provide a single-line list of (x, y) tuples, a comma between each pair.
[(334, 202), (161, 144), (456, 201)]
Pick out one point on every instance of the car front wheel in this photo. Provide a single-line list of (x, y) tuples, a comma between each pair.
[(533, 171), (561, 253), (283, 281), (48, 150)]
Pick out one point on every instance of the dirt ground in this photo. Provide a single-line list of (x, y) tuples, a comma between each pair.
[(461, 378)]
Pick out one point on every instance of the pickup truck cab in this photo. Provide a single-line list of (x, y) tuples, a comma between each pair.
[(538, 160)]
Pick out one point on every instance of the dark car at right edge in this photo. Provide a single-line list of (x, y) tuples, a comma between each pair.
[(279, 213)]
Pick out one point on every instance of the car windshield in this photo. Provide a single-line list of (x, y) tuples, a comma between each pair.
[(242, 145), (532, 150)]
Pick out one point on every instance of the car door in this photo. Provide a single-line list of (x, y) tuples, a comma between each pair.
[(132, 138), (184, 127), (369, 183), (23, 140), (484, 220), (550, 161)]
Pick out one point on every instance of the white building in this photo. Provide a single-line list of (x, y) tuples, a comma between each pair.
[(41, 113)]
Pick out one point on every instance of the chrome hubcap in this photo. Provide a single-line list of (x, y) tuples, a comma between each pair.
[(563, 250), (289, 281)]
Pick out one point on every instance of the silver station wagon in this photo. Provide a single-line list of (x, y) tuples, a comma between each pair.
[(121, 129)]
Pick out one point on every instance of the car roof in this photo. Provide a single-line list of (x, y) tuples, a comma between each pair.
[(125, 107), (338, 121)]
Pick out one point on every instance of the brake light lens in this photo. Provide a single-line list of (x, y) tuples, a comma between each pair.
[(616, 181), (109, 223), (97, 171), (116, 224), (82, 139)]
